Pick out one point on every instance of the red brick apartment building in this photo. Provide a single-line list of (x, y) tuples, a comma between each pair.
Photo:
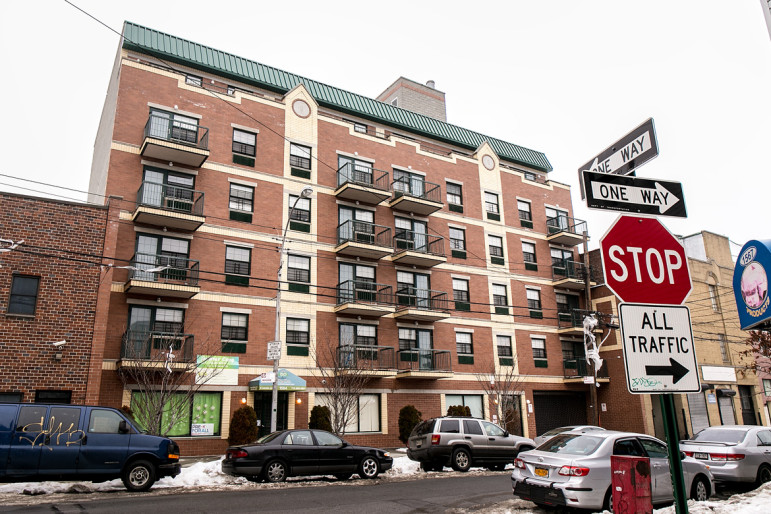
[(48, 294), (427, 255)]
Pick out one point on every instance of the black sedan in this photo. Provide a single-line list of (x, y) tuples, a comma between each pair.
[(286, 453)]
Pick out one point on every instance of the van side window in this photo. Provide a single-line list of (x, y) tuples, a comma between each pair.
[(31, 419), (450, 426), (64, 420), (104, 422)]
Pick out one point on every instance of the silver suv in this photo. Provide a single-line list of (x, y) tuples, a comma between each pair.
[(461, 442)]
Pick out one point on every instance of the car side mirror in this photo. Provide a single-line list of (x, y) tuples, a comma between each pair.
[(505, 433), (682, 455), (123, 427), (344, 444)]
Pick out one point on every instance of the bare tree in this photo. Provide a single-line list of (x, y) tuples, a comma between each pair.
[(343, 373), (757, 351), (165, 370), (503, 386)]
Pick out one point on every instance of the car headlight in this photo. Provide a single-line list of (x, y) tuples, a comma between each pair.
[(386, 454)]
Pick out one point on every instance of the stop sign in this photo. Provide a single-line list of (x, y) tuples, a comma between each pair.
[(644, 263)]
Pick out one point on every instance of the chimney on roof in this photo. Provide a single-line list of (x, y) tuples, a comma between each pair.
[(416, 97)]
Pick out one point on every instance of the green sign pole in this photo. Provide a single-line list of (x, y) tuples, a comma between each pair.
[(673, 447)]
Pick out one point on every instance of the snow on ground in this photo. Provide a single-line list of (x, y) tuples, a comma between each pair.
[(208, 474)]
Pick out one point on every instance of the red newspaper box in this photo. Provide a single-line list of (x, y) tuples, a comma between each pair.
[(631, 484)]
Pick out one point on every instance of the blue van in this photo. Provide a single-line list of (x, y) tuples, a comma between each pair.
[(80, 442)]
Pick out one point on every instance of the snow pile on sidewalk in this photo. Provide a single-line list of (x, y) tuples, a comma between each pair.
[(757, 501)]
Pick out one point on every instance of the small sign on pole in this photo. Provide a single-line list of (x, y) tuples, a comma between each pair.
[(274, 350)]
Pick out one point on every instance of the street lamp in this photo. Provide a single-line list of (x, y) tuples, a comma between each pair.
[(305, 193)]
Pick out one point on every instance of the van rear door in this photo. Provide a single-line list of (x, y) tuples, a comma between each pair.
[(104, 447), (27, 440)]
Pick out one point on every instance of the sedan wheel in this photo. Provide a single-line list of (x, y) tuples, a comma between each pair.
[(461, 460), (275, 471), (764, 475), (369, 468), (700, 489)]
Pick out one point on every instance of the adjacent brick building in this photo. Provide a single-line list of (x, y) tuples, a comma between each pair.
[(428, 256), (48, 294)]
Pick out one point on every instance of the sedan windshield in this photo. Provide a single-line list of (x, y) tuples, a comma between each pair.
[(574, 444), (731, 436)]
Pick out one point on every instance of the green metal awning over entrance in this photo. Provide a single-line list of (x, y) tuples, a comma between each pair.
[(287, 381)]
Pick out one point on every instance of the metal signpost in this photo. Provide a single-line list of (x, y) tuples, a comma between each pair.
[(633, 194), (622, 157), (646, 264)]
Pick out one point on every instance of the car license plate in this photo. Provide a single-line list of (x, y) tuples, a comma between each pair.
[(541, 472), (701, 456)]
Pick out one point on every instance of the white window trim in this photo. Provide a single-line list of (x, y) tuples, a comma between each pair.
[(531, 241), (234, 310), (453, 181), (175, 109), (459, 227), (301, 143), (355, 155), (460, 277), (464, 330), (238, 244), (407, 170), (243, 182), (534, 288), (245, 128)]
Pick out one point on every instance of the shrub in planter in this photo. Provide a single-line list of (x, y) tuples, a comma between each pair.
[(409, 416)]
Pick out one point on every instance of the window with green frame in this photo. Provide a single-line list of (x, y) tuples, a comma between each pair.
[(205, 409)]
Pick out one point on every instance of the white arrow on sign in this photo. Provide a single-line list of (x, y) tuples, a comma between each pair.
[(659, 196), (629, 152)]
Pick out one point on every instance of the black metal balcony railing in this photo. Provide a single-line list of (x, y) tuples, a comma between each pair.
[(365, 357), (353, 173), (164, 269), (169, 197), (417, 188), (564, 268), (418, 242), (363, 232), (157, 346), (578, 367), (163, 127), (565, 224), (419, 359), (573, 318), (361, 291), (426, 299)]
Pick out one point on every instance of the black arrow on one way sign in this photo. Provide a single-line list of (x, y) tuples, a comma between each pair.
[(675, 370)]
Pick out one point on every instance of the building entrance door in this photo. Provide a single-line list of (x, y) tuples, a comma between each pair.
[(262, 406)]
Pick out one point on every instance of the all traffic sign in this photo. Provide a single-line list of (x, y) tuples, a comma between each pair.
[(644, 262), (633, 194), (658, 348)]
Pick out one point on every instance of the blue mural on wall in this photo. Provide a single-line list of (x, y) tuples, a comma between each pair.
[(751, 285)]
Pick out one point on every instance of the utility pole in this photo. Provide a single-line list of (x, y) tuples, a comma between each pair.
[(592, 369)]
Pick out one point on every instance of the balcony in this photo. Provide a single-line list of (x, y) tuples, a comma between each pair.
[(418, 249), (362, 298), (565, 230), (421, 305), (416, 196), (157, 349), (569, 274), (174, 207), (358, 183), (376, 361), (162, 275), (171, 140), (572, 322), (363, 239), (575, 369), (424, 363)]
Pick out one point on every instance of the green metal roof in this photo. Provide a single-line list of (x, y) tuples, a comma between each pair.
[(180, 51)]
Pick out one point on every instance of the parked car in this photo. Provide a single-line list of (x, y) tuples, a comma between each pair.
[(80, 442), (554, 431), (735, 453), (299, 452), (573, 469), (461, 442)]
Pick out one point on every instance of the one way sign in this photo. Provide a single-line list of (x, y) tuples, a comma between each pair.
[(634, 194), (658, 347)]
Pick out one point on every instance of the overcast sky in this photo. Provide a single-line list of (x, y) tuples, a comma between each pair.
[(563, 77)]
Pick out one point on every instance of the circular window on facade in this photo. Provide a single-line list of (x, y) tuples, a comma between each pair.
[(301, 108), (488, 162)]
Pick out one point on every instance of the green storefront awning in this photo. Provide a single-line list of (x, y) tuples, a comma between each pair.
[(287, 381)]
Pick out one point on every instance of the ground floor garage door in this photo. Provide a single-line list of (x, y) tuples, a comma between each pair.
[(554, 410)]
